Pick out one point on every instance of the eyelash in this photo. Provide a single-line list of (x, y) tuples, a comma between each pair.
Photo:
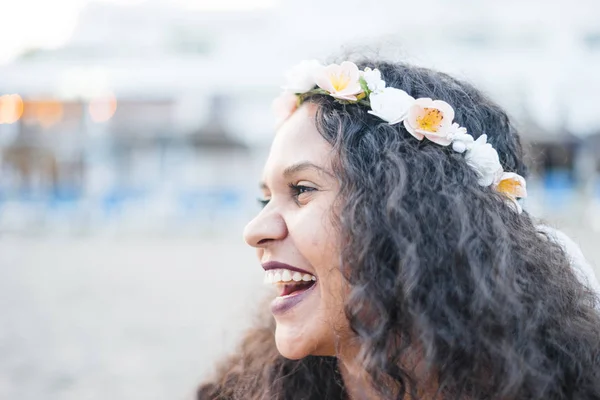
[(296, 190), (263, 202)]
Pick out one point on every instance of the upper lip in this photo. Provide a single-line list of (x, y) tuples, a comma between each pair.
[(279, 265)]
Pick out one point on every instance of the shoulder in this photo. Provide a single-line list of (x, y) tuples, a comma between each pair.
[(583, 270)]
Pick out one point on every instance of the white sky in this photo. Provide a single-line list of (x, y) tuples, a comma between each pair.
[(28, 24)]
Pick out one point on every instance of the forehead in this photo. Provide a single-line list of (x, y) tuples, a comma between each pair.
[(298, 140)]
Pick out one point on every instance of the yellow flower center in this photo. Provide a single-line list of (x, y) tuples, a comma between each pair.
[(431, 119), (339, 81), (509, 187)]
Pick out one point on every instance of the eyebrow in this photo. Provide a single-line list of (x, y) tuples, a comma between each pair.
[(302, 166), (298, 167)]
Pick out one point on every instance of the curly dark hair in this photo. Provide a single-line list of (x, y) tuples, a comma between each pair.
[(437, 263)]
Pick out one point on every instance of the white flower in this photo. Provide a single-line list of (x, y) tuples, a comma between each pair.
[(391, 104), (483, 158), (373, 79), (341, 81), (301, 78), (431, 119), (513, 186), (461, 140)]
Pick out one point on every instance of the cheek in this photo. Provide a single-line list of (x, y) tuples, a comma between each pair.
[(316, 239)]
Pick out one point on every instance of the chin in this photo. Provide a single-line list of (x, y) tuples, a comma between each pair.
[(293, 343), (298, 341)]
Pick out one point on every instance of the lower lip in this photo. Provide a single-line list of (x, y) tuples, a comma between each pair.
[(283, 304)]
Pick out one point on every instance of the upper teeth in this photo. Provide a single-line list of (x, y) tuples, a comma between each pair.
[(285, 275)]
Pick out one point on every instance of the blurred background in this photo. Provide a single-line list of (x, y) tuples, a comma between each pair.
[(132, 135)]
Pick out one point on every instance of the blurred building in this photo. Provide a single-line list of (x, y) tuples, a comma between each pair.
[(158, 110)]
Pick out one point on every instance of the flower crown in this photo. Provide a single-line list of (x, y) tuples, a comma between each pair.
[(422, 118)]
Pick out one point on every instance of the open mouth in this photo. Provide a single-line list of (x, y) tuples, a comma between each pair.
[(294, 288), (290, 283)]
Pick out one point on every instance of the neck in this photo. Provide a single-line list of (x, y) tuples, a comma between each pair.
[(359, 385), (356, 381)]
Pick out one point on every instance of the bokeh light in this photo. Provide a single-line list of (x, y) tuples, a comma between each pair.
[(11, 108), (46, 113), (103, 108)]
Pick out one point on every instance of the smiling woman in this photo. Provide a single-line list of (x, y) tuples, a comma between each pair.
[(295, 229), (405, 266)]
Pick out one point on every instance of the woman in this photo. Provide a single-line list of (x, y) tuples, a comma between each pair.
[(405, 268)]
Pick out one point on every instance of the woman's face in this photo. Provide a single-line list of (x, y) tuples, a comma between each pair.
[(296, 241)]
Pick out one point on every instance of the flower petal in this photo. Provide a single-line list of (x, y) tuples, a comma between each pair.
[(458, 132), (284, 105), (424, 102), (446, 109), (322, 79), (350, 69), (373, 79), (342, 80), (481, 139), (412, 130), (459, 147), (483, 158), (351, 89), (400, 118), (391, 104), (342, 96), (512, 185), (439, 139), (433, 119), (300, 78)]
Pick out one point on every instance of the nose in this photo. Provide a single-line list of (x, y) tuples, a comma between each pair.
[(268, 226)]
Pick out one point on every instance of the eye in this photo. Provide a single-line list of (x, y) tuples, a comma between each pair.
[(299, 190), (263, 202)]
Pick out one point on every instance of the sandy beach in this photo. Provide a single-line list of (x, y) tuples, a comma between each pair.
[(128, 318)]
